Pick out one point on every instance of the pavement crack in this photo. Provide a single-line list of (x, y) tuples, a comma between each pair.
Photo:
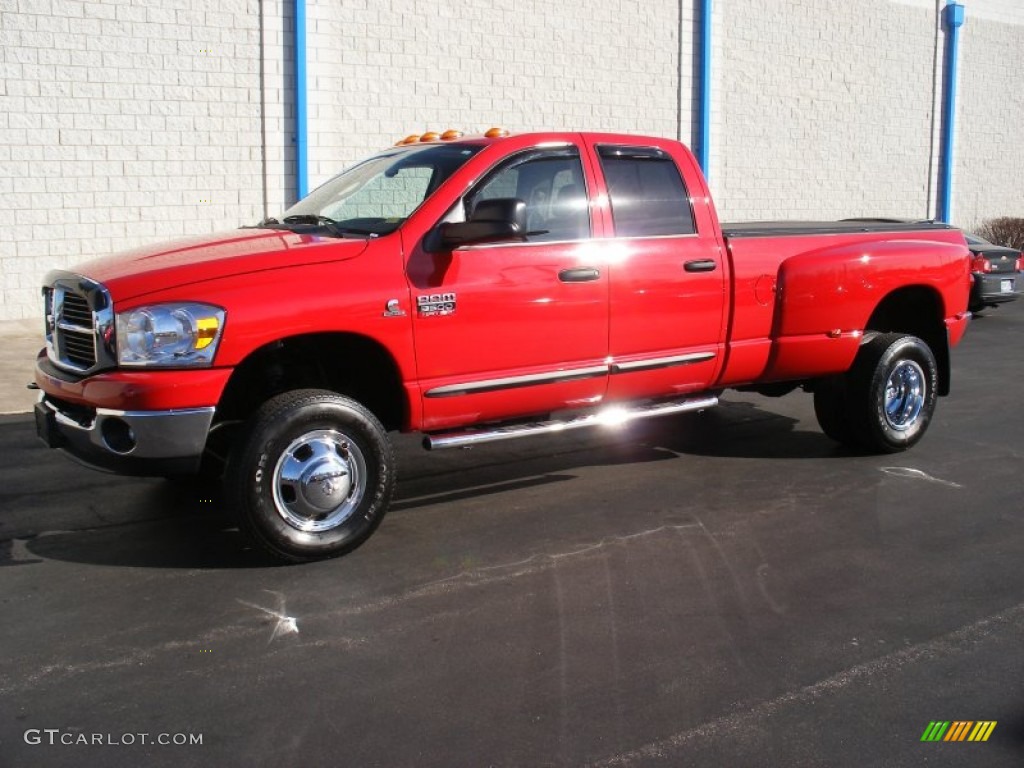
[(916, 474), (960, 641)]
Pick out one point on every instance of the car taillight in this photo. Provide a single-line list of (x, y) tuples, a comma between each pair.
[(980, 264), (1020, 264)]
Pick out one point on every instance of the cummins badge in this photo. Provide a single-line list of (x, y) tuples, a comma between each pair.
[(436, 304)]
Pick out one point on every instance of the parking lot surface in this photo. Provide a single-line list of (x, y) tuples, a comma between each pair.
[(720, 589)]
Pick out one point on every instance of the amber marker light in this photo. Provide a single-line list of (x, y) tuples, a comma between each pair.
[(430, 136), (451, 134), (496, 133), (412, 138), (206, 331)]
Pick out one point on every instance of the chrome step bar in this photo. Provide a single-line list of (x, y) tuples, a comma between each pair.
[(612, 416)]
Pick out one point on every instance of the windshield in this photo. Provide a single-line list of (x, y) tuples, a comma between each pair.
[(374, 197)]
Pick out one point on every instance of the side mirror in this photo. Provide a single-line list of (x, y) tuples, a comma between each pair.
[(502, 218)]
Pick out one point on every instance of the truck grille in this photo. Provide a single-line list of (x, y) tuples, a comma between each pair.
[(79, 324), (76, 332)]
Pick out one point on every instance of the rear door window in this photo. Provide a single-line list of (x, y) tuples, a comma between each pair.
[(647, 194)]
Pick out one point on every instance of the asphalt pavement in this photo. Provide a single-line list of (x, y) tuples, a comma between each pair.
[(719, 589)]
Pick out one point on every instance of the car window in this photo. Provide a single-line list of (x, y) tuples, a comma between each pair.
[(647, 194), (378, 194), (551, 183)]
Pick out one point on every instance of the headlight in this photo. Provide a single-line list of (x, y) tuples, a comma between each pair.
[(172, 335)]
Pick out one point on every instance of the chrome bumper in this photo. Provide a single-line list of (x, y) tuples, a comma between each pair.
[(127, 442)]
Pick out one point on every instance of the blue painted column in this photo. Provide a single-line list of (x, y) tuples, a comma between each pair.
[(953, 18), (704, 121), (301, 114)]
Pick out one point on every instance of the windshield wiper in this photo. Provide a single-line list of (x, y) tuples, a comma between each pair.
[(332, 226)]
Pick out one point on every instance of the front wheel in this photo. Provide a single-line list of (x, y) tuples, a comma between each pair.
[(311, 475), (891, 392)]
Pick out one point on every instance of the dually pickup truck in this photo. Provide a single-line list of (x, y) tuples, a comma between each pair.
[(475, 289)]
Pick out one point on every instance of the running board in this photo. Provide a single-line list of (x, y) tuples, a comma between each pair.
[(612, 416)]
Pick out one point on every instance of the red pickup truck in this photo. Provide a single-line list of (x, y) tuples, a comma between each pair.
[(474, 289)]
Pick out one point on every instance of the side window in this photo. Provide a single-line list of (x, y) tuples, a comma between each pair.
[(646, 191), (552, 185)]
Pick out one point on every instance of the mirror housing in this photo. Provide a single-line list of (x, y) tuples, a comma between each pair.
[(502, 218)]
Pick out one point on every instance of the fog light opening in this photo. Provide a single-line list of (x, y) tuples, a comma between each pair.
[(117, 435)]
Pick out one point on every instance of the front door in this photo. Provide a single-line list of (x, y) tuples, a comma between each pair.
[(514, 328)]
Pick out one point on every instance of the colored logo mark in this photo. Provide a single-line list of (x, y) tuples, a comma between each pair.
[(958, 730)]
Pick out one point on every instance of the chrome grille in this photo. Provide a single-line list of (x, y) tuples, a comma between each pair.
[(79, 323), (76, 310), (75, 333)]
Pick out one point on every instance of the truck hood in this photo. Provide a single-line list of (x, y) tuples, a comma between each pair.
[(134, 273)]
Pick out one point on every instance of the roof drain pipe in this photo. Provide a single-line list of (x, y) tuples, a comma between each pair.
[(704, 118), (301, 115), (953, 16)]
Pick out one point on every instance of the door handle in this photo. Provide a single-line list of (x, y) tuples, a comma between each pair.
[(579, 275), (701, 265)]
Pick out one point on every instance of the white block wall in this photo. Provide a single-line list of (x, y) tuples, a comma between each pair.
[(382, 70), (988, 175), (122, 123), (826, 110), (125, 122)]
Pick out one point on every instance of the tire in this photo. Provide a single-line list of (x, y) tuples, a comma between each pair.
[(891, 392), (311, 476), (831, 410)]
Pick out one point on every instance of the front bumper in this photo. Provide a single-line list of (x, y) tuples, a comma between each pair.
[(144, 443)]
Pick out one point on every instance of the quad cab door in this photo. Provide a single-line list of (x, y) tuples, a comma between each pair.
[(514, 327), (667, 278)]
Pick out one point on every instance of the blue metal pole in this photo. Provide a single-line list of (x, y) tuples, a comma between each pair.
[(704, 137), (301, 115), (953, 15)]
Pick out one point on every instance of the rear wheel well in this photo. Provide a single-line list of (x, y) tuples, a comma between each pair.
[(348, 364), (916, 310)]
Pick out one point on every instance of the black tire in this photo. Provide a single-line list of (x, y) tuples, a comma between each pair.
[(311, 475), (891, 392), (831, 410)]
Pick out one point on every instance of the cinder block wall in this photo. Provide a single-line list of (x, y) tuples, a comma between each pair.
[(382, 70), (125, 122), (989, 170), (122, 123), (826, 109)]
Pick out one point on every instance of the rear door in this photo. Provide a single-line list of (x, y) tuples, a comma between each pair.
[(668, 282)]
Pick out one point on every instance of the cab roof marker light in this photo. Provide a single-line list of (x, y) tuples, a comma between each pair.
[(451, 134), (430, 136), (496, 133)]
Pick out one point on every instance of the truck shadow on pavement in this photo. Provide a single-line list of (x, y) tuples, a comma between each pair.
[(159, 524)]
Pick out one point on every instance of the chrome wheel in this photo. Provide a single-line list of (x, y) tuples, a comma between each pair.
[(905, 392), (319, 480)]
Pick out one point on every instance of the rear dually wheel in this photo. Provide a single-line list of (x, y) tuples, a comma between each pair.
[(885, 403)]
